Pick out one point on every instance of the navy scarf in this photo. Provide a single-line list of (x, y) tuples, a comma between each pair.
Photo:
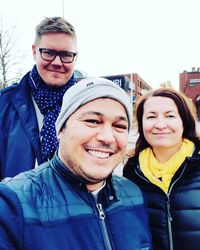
[(49, 101)]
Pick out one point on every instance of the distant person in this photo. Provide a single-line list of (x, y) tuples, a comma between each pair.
[(166, 166), (28, 110), (74, 201)]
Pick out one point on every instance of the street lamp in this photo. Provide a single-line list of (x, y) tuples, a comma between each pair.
[(63, 9)]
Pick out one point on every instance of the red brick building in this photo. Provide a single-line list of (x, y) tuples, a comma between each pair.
[(132, 83), (189, 84)]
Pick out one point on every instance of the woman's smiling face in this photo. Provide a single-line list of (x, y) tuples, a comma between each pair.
[(162, 124)]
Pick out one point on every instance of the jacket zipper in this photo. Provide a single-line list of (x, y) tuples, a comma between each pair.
[(169, 223), (102, 217), (169, 217)]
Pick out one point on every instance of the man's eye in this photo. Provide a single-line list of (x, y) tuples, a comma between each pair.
[(121, 126), (92, 121), (66, 54), (49, 53)]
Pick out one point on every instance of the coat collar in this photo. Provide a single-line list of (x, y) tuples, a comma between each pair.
[(107, 195), (22, 101)]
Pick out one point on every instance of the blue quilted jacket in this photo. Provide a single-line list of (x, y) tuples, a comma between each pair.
[(49, 208)]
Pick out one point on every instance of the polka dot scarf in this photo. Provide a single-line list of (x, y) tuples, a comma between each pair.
[(49, 101)]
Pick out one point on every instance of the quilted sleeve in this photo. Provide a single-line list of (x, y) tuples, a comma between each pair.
[(11, 220)]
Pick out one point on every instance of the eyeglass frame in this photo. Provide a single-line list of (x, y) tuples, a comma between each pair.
[(57, 53)]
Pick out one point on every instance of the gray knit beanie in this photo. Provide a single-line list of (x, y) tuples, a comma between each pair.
[(87, 90)]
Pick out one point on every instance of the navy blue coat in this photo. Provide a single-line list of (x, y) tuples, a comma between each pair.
[(50, 208), (174, 217), (19, 132)]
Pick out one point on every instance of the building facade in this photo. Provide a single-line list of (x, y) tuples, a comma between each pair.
[(189, 84), (132, 83)]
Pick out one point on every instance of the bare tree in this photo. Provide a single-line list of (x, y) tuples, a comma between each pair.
[(8, 54)]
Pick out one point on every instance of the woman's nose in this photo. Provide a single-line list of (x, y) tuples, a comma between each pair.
[(160, 123)]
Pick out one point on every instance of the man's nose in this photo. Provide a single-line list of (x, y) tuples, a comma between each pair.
[(105, 134), (57, 60)]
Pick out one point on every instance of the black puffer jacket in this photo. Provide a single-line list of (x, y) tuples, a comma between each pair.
[(174, 217)]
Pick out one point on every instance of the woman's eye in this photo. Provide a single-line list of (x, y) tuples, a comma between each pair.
[(151, 117)]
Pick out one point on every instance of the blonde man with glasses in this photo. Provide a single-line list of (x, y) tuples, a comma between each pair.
[(28, 110)]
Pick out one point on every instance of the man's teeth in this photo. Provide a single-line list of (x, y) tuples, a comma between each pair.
[(99, 154)]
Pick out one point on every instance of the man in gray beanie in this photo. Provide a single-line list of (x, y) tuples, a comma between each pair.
[(90, 89), (74, 201)]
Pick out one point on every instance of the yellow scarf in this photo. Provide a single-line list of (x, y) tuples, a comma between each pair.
[(161, 173)]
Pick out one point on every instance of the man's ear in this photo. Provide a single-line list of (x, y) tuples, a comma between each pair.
[(34, 47), (61, 131), (59, 135)]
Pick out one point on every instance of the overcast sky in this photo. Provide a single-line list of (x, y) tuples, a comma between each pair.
[(157, 39)]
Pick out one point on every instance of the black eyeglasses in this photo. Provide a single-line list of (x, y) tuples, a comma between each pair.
[(49, 55)]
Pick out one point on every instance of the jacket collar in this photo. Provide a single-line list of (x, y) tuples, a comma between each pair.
[(107, 195), (197, 150), (22, 101)]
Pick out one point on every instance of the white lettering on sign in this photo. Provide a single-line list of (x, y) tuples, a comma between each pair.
[(118, 82), (194, 80)]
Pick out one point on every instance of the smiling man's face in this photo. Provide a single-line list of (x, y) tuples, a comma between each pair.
[(94, 140), (55, 73)]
